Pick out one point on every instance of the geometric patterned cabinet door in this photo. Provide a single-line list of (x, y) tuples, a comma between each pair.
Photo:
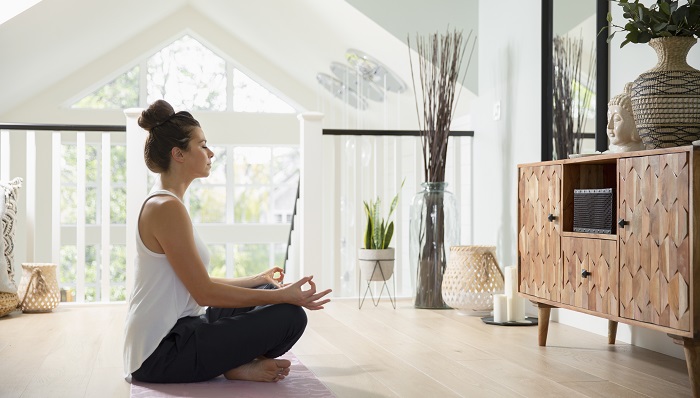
[(597, 290), (654, 241), (539, 244)]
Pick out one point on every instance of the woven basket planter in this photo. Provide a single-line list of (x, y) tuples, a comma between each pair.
[(8, 303), (666, 98), (471, 279)]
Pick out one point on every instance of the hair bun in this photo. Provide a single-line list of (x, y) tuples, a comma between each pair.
[(157, 113)]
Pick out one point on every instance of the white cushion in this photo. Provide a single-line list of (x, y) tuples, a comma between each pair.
[(9, 192)]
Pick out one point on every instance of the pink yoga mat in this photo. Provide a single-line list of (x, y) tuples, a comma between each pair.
[(301, 382)]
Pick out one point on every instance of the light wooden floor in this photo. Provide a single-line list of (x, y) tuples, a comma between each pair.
[(373, 352)]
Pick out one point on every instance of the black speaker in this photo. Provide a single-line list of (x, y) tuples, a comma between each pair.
[(593, 211)]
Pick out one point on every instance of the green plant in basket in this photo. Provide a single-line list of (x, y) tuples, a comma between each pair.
[(379, 230)]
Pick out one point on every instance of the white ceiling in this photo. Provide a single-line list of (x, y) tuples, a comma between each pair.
[(54, 39)]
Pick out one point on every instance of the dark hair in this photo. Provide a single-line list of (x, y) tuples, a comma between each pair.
[(167, 130)]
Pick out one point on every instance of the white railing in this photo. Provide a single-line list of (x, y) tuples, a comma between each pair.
[(337, 173), (35, 156)]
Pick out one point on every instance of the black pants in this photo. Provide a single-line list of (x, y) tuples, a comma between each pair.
[(203, 347)]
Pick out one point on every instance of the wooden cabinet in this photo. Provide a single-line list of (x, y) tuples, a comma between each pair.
[(644, 272)]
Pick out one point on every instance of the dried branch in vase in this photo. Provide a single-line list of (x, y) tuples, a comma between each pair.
[(573, 91), (440, 59)]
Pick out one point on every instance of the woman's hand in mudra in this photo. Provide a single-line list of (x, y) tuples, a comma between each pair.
[(274, 275), (309, 299)]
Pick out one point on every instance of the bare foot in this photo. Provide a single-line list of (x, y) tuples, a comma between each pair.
[(268, 370)]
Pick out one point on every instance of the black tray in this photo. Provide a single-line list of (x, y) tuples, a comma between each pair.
[(529, 321)]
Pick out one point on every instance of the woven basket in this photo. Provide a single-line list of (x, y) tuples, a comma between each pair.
[(471, 279), (666, 98), (38, 289), (8, 303)]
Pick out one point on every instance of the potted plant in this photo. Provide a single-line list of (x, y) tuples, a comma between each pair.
[(665, 99), (376, 259), (662, 19)]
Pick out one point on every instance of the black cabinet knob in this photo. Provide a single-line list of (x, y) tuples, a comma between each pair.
[(551, 217), (622, 223), (585, 273)]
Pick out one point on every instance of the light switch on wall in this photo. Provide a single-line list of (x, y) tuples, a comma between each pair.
[(497, 110)]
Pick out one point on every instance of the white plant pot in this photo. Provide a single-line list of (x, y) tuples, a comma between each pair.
[(368, 258)]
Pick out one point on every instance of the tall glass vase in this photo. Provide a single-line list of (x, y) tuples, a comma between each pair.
[(434, 228)]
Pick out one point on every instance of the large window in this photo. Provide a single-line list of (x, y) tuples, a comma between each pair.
[(189, 76)]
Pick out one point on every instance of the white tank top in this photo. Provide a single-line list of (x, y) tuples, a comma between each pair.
[(158, 300)]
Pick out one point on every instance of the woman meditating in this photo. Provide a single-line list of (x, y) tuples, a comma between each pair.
[(183, 325)]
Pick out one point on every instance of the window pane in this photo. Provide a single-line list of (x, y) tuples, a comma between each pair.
[(68, 205), (250, 96), (283, 197), (117, 293), (69, 164), (218, 167), (117, 273), (92, 165), (280, 253), (251, 259), (285, 165), (66, 268), (90, 295), (91, 205), (120, 93), (187, 75), (117, 211), (217, 261), (251, 205), (207, 204), (118, 164), (117, 266), (92, 271), (151, 179), (251, 165)]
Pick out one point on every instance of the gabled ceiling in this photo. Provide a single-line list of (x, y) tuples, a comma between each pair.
[(286, 42)]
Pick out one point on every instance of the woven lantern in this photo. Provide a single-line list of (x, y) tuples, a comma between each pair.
[(471, 279)]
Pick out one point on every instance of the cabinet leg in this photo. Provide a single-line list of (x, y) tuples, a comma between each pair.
[(612, 331), (543, 311), (692, 359), (691, 347)]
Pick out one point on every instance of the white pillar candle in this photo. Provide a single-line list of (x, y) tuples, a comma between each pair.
[(500, 310), (511, 281), (516, 309)]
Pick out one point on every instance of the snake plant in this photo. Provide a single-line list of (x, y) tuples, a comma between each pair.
[(379, 230)]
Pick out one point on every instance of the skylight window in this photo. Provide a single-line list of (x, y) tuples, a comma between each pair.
[(189, 76)]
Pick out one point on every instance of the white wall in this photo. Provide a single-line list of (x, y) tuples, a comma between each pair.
[(509, 74)]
